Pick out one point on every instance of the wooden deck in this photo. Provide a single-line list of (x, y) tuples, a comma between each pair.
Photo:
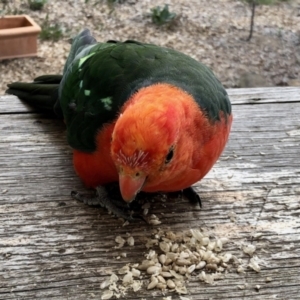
[(52, 247)]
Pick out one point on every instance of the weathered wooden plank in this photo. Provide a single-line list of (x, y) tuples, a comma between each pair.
[(9, 104), (264, 95), (52, 247)]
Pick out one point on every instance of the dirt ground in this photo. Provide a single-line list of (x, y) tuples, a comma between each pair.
[(213, 32)]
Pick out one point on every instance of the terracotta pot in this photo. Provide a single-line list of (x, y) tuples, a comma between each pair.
[(18, 36)]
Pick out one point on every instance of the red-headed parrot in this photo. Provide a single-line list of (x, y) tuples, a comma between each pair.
[(150, 118)]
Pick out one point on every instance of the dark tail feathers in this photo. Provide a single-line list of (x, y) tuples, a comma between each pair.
[(42, 93)]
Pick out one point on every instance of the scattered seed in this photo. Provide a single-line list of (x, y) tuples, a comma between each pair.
[(153, 283), (104, 284), (124, 270), (197, 234), (202, 276), (181, 290), (145, 265), (161, 279), (171, 256), (174, 247), (184, 254), (135, 272), (120, 241), (249, 249), (113, 278), (226, 258), (201, 265), (161, 286), (153, 270), (151, 255), (166, 274), (218, 246), (214, 259), (205, 241), (170, 284), (165, 268), (162, 258), (136, 285), (175, 268), (211, 267), (165, 247), (107, 294), (254, 264), (176, 275), (128, 279), (191, 269), (220, 269), (177, 257), (154, 222), (224, 240), (207, 255), (182, 270), (168, 261), (269, 279), (211, 246), (183, 262), (130, 241)]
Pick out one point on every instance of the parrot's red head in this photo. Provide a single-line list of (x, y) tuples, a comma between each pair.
[(151, 145)]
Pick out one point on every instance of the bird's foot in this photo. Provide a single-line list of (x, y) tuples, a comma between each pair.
[(115, 205), (190, 194)]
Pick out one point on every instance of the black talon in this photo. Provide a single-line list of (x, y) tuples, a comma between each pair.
[(192, 195)]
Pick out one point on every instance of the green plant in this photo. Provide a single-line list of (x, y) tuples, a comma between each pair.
[(51, 31), (36, 4), (161, 16)]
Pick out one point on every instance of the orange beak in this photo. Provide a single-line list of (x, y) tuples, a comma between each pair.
[(130, 186)]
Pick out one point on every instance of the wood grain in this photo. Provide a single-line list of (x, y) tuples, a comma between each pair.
[(52, 247)]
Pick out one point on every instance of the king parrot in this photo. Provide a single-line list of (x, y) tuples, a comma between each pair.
[(150, 118)]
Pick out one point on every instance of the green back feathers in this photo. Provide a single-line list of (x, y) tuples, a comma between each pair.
[(99, 78), (102, 77)]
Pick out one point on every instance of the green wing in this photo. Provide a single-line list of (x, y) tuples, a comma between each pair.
[(99, 78)]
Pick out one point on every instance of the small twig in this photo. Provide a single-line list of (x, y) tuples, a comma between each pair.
[(252, 20)]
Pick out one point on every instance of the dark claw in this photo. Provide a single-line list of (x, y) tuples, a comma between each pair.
[(188, 193), (117, 206), (192, 195)]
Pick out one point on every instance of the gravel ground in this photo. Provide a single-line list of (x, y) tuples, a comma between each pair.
[(213, 32)]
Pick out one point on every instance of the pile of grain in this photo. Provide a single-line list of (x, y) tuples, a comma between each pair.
[(171, 260)]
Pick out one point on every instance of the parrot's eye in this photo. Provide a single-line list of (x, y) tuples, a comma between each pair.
[(169, 155)]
